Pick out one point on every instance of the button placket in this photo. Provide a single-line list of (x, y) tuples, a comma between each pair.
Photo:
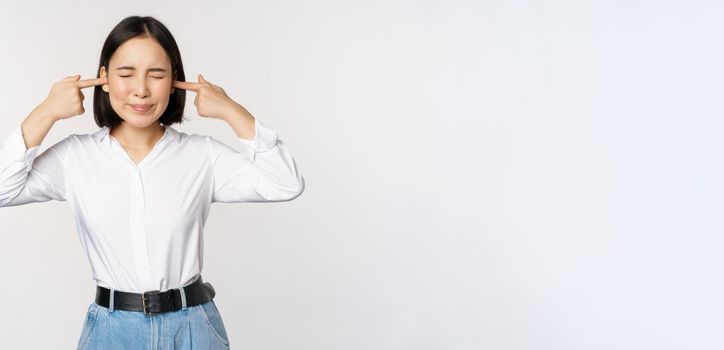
[(138, 233)]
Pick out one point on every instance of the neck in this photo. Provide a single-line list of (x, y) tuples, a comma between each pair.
[(131, 136)]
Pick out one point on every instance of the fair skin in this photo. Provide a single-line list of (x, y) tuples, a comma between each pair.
[(139, 72)]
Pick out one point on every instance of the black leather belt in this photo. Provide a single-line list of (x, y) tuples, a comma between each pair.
[(156, 302)]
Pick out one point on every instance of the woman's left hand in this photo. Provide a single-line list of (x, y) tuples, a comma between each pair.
[(211, 100)]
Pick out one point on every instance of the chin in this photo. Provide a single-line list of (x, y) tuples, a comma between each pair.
[(139, 122)]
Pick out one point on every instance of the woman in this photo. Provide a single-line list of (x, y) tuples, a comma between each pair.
[(141, 191)]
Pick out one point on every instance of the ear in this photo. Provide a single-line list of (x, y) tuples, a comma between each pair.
[(102, 74)]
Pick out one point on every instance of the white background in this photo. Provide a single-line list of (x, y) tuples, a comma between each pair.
[(480, 175)]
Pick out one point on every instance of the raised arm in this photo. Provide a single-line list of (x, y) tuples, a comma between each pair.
[(263, 170), (25, 176)]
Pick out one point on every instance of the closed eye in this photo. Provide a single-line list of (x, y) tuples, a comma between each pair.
[(126, 76)]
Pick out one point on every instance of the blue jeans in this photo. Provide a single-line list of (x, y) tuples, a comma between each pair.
[(195, 327)]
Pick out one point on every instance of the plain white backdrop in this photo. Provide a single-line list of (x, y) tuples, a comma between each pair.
[(479, 174)]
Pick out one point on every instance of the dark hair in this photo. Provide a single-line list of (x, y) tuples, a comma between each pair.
[(128, 28)]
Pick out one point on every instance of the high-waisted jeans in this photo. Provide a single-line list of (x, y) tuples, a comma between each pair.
[(195, 327)]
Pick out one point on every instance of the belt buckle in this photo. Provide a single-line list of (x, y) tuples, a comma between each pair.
[(143, 301)]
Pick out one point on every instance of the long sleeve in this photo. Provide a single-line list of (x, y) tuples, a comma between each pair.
[(263, 171), (27, 177)]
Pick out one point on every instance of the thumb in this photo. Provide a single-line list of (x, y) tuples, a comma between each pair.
[(201, 79), (72, 77)]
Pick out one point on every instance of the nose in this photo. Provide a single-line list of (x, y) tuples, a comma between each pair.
[(141, 89)]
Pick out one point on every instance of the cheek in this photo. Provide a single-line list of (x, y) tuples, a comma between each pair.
[(161, 87), (162, 91), (119, 88)]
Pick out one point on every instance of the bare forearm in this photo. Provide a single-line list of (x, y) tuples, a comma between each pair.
[(36, 126), (242, 122)]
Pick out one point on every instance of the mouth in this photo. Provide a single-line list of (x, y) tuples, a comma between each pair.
[(141, 108)]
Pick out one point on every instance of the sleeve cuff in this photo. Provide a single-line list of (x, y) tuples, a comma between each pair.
[(264, 140), (14, 149)]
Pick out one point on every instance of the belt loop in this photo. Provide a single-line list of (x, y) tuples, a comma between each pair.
[(183, 298), (110, 303)]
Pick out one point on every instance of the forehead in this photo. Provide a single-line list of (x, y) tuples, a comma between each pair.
[(140, 52)]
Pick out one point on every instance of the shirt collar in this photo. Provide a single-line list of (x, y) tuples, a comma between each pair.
[(102, 134)]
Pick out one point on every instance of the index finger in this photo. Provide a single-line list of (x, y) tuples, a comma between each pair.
[(186, 85), (91, 82)]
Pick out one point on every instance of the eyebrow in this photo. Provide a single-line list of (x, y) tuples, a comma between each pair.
[(154, 69)]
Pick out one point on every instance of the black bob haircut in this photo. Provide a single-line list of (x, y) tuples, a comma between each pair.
[(131, 27)]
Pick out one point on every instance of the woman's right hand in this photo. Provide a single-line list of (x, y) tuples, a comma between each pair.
[(65, 99)]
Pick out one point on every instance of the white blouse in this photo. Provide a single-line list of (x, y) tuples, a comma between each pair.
[(141, 225)]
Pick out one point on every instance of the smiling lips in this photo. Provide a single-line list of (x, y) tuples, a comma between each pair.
[(141, 108)]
